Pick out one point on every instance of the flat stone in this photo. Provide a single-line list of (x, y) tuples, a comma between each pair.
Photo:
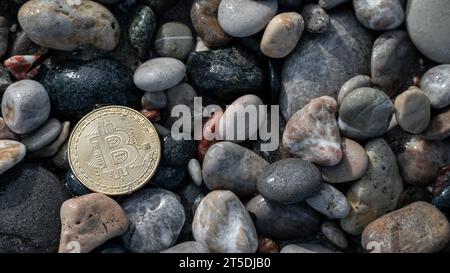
[(379, 14), (89, 221), (283, 222), (353, 165), (222, 223), (312, 133), (316, 18), (43, 136), (439, 127), (80, 22), (330, 202), (25, 106), (159, 74), (377, 192), (11, 153), (174, 40), (187, 247), (289, 181), (417, 228), (413, 110), (436, 85)]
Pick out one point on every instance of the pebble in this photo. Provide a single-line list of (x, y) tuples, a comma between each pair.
[(61, 159), (312, 133), (76, 87), (178, 152), (334, 234), (329, 4), (430, 36), (154, 100), (243, 18), (201, 46), (29, 211), (282, 34), (159, 74), (195, 170), (309, 73), (316, 18), (141, 29), (377, 192), (174, 40), (4, 34), (419, 161), (54, 147), (226, 73), (25, 106), (169, 177), (79, 22), (283, 222), (11, 153), (330, 202), (305, 248), (187, 247), (379, 14), (413, 110), (353, 165), (43, 136), (394, 59), (435, 84), (365, 113), (156, 218), (205, 22), (89, 221), (229, 166), (223, 224), (353, 84), (19, 66), (439, 127), (417, 228), (5, 132), (441, 192), (241, 110), (74, 185), (289, 181)]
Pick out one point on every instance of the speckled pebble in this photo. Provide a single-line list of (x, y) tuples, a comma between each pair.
[(316, 18), (159, 74), (436, 85), (330, 202)]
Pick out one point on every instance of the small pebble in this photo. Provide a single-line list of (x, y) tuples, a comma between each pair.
[(353, 84), (43, 136), (413, 110), (330, 202), (187, 247), (19, 66), (195, 170), (159, 74), (379, 14), (316, 18), (435, 84), (439, 127), (11, 153), (174, 40)]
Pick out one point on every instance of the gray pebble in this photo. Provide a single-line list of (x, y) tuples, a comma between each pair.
[(379, 14), (43, 136), (330, 202), (316, 18), (195, 170), (174, 40), (159, 74), (436, 85), (353, 84), (187, 247)]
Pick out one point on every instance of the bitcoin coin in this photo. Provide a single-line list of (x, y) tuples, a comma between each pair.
[(114, 150)]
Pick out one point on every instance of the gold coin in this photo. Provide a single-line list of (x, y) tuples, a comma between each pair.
[(114, 150)]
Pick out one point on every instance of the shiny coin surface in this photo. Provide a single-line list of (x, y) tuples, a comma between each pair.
[(114, 150)]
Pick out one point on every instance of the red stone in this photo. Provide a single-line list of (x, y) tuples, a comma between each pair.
[(20, 66)]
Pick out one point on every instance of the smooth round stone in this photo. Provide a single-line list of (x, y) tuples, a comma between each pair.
[(305, 248), (243, 18), (379, 14), (394, 60), (222, 223), (43, 136), (141, 29), (417, 228), (29, 210), (178, 152), (282, 34), (25, 106), (159, 74), (79, 23), (329, 4), (309, 73), (334, 234), (5, 132), (436, 85), (289, 181), (4, 33), (154, 100), (316, 18), (413, 194), (77, 87), (187, 247), (61, 159), (353, 84), (205, 22), (377, 192), (413, 110), (283, 222), (156, 218), (229, 166), (195, 170), (169, 177), (174, 40), (430, 36), (226, 73), (439, 128), (55, 145), (312, 133), (441, 190), (365, 113), (240, 110), (353, 165), (74, 185), (11, 153), (90, 221), (330, 202)]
